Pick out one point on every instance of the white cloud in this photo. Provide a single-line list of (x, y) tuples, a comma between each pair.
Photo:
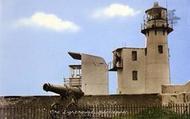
[(49, 21), (115, 10)]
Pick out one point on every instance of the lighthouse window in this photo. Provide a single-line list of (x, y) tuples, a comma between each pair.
[(134, 75), (160, 49), (134, 55)]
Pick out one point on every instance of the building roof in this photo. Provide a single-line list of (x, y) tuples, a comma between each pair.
[(156, 6), (75, 55), (75, 66), (119, 49)]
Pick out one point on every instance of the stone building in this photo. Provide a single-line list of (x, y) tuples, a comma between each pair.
[(143, 73), (145, 70), (139, 70), (91, 75)]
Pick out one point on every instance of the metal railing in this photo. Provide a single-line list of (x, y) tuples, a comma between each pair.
[(119, 65), (73, 82), (173, 111), (24, 112)]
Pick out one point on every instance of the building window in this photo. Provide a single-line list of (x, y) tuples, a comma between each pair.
[(163, 32), (155, 32), (160, 49), (145, 51), (134, 55), (134, 75)]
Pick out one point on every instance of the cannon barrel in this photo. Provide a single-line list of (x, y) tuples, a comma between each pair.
[(63, 90)]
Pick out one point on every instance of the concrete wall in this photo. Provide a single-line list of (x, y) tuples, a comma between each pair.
[(176, 98), (125, 99), (86, 100), (94, 75), (173, 89), (170, 89), (126, 85), (157, 73), (176, 93)]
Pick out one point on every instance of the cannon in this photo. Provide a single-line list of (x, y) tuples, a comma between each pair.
[(68, 103), (64, 91)]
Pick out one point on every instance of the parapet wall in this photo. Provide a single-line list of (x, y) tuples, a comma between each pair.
[(170, 89), (125, 99), (173, 89), (176, 98), (142, 99), (176, 94), (138, 99)]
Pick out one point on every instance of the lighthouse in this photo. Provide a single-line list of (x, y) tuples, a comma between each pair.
[(145, 70), (156, 29)]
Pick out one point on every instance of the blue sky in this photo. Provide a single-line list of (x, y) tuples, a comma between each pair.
[(35, 37)]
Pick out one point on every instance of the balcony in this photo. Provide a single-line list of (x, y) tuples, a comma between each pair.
[(114, 67), (73, 82), (75, 76)]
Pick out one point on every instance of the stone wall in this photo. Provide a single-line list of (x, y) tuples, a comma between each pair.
[(139, 99), (94, 75), (86, 100), (94, 69), (176, 98), (176, 93), (126, 84), (170, 89)]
